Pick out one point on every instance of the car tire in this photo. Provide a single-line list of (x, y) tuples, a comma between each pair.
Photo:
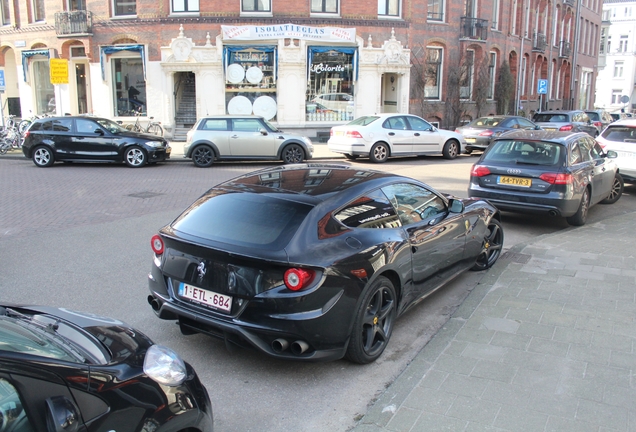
[(350, 156), (135, 157), (379, 153), (293, 153), (617, 190), (203, 156), (451, 149), (43, 157), (579, 218), (374, 321), (491, 247)]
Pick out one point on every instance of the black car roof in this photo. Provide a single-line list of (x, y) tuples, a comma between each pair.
[(557, 137), (310, 182)]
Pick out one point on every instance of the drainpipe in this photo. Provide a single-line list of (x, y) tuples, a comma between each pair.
[(521, 73), (577, 30)]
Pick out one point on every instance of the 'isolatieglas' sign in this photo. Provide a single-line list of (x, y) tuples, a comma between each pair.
[(291, 31)]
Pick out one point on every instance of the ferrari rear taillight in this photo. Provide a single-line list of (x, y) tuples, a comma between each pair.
[(479, 171), (353, 134), (156, 244), (557, 178), (297, 279), (566, 128)]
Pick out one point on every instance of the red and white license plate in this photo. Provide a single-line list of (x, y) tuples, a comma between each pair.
[(206, 297)]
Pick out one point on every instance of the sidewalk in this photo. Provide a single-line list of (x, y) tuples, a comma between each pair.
[(546, 342)]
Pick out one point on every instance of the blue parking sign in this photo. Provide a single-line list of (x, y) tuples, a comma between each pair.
[(2, 86), (542, 86)]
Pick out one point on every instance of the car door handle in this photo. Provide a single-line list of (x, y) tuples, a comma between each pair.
[(391, 133), (234, 136), (417, 134)]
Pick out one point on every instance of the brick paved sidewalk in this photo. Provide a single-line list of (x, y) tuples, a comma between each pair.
[(547, 342)]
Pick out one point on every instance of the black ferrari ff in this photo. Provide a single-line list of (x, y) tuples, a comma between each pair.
[(64, 370), (313, 261)]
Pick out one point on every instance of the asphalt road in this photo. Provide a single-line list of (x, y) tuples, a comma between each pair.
[(78, 236)]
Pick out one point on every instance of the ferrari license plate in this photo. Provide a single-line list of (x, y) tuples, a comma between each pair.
[(470, 140), (205, 297), (514, 181)]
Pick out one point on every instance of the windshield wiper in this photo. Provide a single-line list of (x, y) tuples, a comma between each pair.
[(527, 163)]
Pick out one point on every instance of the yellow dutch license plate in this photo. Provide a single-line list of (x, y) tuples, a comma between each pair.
[(514, 181)]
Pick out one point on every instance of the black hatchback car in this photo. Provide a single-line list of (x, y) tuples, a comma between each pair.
[(90, 139), (315, 262), (63, 370), (555, 173)]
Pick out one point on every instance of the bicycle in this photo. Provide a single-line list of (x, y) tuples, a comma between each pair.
[(24, 124), (10, 139), (153, 127)]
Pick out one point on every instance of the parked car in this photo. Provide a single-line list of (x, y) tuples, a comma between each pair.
[(315, 262), (566, 121), (620, 137), (334, 101), (90, 139), (63, 370), (243, 137), (383, 135), (552, 173), (480, 132), (600, 118)]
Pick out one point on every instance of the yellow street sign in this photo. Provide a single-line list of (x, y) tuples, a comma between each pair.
[(59, 71)]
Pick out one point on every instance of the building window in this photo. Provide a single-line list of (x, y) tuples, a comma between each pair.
[(601, 49), (125, 7), (436, 10), (491, 75), (6, 17), (185, 6), (44, 90), (250, 81), (495, 15), (389, 8), (618, 69), (324, 6), (433, 73), (256, 6), (466, 75), (38, 10), (330, 84), (524, 63), (616, 97), (622, 43), (129, 86)]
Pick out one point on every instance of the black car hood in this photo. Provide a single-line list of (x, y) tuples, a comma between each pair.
[(122, 342), (138, 135)]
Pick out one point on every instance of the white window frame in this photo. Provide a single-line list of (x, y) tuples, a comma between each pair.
[(496, 11), (34, 11), (442, 13), (263, 12), (616, 96), (492, 70), (619, 67), (524, 72), (440, 73), (189, 7), (114, 4), (385, 3), (466, 93)]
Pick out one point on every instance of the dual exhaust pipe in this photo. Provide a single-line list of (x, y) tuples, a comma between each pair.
[(297, 347)]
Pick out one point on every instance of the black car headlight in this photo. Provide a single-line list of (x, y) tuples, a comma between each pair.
[(164, 366), (155, 144)]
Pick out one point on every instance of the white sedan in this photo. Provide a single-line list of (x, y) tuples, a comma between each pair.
[(380, 136), (620, 136)]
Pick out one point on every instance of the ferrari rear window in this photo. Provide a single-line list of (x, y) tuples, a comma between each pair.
[(524, 152), (243, 219)]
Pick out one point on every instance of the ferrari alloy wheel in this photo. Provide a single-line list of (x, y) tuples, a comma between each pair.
[(491, 246)]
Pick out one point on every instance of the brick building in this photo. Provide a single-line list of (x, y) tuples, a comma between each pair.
[(304, 65)]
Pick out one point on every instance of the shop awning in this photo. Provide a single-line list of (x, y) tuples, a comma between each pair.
[(323, 49), (105, 51), (228, 49), (27, 54)]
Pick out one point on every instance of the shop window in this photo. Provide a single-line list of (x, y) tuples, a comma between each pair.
[(435, 10), (250, 81), (324, 6), (433, 73), (44, 90), (38, 10), (389, 8), (330, 85), (129, 86), (256, 6), (125, 7), (185, 6)]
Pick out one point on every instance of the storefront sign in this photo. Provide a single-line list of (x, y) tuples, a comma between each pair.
[(291, 31), (59, 71), (321, 67)]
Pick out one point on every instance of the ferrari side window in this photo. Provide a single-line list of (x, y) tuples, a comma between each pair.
[(13, 417), (372, 210), (414, 203)]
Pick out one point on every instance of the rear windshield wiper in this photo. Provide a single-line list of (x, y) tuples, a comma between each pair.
[(528, 163)]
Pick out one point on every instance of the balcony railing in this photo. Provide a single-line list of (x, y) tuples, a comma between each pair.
[(565, 50), (538, 42), (74, 22), (474, 28)]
